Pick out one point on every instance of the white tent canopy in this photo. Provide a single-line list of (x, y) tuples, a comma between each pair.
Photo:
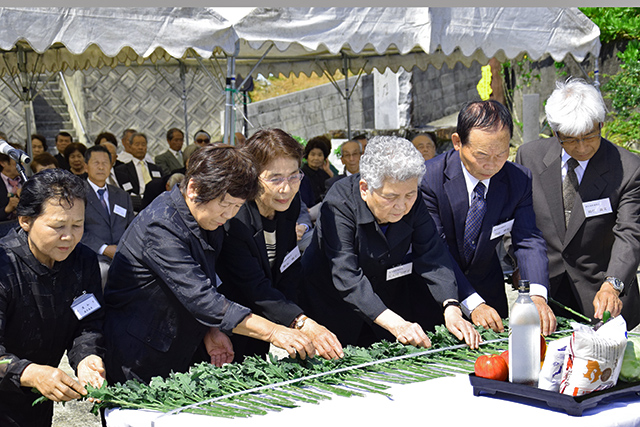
[(56, 39), (285, 40), (407, 37)]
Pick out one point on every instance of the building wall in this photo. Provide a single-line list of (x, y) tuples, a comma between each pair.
[(438, 93), (307, 113)]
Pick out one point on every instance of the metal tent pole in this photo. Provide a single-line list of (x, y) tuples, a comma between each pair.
[(183, 78), (347, 95)]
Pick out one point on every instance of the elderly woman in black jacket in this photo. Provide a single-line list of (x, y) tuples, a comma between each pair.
[(161, 292), (50, 301), (373, 234), (260, 261)]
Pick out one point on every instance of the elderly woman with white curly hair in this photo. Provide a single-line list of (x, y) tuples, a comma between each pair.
[(373, 238)]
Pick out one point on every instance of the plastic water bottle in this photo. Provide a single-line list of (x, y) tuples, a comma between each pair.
[(524, 339)]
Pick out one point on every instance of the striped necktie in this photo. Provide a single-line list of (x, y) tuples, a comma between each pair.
[(101, 192), (569, 189), (473, 223)]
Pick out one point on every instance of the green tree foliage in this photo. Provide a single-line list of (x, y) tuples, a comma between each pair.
[(615, 23), (618, 24)]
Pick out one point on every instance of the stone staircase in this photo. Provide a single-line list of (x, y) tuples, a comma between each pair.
[(51, 112)]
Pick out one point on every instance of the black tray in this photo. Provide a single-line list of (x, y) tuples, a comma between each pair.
[(570, 404)]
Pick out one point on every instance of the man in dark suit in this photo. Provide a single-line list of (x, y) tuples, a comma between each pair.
[(63, 139), (171, 159), (108, 212), (586, 195), (135, 175), (449, 187)]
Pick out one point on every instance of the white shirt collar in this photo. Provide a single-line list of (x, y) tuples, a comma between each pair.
[(472, 181), (579, 170), (95, 187)]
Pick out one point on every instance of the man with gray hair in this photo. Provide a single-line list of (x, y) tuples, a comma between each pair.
[(586, 197), (350, 152), (373, 234)]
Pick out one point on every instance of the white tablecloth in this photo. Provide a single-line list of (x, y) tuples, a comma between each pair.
[(449, 400)]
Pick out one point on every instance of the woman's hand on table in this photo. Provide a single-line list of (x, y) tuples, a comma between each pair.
[(324, 341), (462, 329), (219, 347), (52, 382), (293, 341)]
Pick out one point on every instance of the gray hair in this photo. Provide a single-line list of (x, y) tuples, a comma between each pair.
[(390, 157), (351, 140), (174, 179), (574, 106)]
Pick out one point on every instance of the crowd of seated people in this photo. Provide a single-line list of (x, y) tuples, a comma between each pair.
[(212, 252)]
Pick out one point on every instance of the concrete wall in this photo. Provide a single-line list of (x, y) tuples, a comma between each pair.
[(438, 93), (309, 112)]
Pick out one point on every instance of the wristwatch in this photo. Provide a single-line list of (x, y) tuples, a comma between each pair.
[(617, 284), (298, 322)]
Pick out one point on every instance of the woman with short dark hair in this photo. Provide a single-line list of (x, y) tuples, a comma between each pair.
[(161, 292), (260, 260), (74, 154), (317, 169), (50, 301)]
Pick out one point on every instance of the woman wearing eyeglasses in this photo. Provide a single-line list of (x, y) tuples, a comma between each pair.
[(259, 261)]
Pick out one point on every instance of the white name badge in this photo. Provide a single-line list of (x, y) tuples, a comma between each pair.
[(84, 305), (501, 229), (399, 271), (119, 210), (597, 207), (290, 258), (155, 174), (127, 186)]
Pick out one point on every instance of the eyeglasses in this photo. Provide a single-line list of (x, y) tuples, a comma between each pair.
[(292, 179), (203, 141), (574, 141)]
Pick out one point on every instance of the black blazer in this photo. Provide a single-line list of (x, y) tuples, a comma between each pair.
[(248, 279), (4, 201), (345, 266), (127, 174), (599, 246), (244, 267), (127, 177), (509, 197), (161, 293), (62, 161)]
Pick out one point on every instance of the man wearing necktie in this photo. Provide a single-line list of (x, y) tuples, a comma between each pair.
[(476, 197), (586, 195), (171, 159), (136, 174), (108, 211), (10, 186)]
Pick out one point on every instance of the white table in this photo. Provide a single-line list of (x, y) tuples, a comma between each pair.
[(449, 400)]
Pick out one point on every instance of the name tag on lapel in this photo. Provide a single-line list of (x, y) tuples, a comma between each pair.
[(290, 258), (597, 207), (399, 271), (501, 229), (84, 305), (127, 186), (155, 174), (119, 210)]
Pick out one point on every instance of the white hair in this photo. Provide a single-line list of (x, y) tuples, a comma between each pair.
[(574, 106), (390, 157)]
